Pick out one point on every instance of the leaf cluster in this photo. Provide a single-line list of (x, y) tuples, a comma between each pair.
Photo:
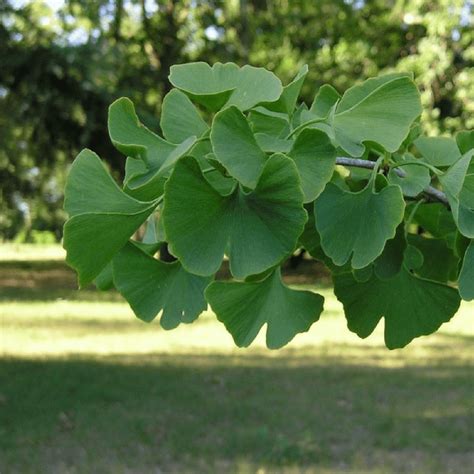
[(243, 172)]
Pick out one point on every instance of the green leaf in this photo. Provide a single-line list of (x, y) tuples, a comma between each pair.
[(270, 123), (271, 144), (151, 286), (102, 217), (416, 178), (436, 219), (315, 158), (439, 261), (357, 224), (132, 138), (105, 279), (458, 183), (466, 277), (289, 97), (226, 84), (256, 229), (324, 101), (438, 151), (380, 110), (149, 185), (411, 306), (390, 261), (244, 307), (235, 146), (159, 170), (180, 119), (465, 140)]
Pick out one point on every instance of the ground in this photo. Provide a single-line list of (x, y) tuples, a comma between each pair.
[(87, 388)]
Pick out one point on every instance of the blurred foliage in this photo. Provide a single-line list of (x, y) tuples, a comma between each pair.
[(64, 62)]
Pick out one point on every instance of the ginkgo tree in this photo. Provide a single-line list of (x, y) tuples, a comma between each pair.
[(245, 172)]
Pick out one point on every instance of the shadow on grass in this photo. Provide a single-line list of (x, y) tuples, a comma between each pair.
[(217, 413)]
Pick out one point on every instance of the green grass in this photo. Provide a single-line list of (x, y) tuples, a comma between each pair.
[(87, 388)]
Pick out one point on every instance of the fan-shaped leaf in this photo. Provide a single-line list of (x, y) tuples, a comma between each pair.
[(245, 307)]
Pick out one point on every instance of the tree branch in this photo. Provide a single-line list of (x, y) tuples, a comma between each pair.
[(433, 193)]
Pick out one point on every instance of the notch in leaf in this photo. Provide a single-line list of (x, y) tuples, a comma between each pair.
[(356, 226), (379, 110), (411, 306), (151, 286), (244, 307), (102, 217), (257, 230)]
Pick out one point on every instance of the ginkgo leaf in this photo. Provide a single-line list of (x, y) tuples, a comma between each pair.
[(411, 306), (132, 138), (226, 84), (390, 262), (235, 146), (256, 229), (436, 219), (416, 177), (380, 110), (438, 151), (458, 183), (356, 225), (148, 185), (324, 101), (289, 97), (151, 286), (179, 118), (315, 157), (150, 157), (465, 140), (244, 307), (439, 262), (102, 217), (466, 277), (265, 121)]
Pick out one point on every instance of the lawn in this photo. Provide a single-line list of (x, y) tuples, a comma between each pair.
[(87, 388)]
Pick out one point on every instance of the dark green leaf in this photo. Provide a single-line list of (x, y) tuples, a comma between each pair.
[(151, 286), (465, 140), (411, 306), (235, 146), (244, 307), (256, 230), (466, 277)]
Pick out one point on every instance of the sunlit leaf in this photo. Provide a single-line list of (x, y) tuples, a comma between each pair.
[(379, 110), (226, 84)]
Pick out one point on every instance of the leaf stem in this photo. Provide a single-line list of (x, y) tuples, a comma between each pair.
[(433, 193), (434, 170), (412, 215), (303, 126)]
